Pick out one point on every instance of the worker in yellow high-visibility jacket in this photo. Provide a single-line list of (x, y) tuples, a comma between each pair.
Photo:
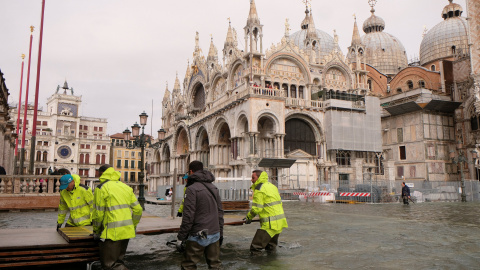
[(77, 199), (180, 209), (116, 215), (267, 204)]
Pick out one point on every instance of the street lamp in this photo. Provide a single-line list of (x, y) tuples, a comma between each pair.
[(461, 159), (141, 141)]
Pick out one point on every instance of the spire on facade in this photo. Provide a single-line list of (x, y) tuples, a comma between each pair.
[(305, 21), (287, 28), (253, 16), (212, 52), (312, 31), (166, 96), (356, 34), (176, 86), (188, 71), (230, 39)]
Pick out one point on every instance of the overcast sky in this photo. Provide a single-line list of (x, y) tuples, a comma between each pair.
[(119, 54)]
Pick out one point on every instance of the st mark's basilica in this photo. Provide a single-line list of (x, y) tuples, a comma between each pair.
[(301, 109)]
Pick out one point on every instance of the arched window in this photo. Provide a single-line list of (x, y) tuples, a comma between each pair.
[(199, 97), (44, 158), (453, 49), (369, 82), (285, 89), (39, 156), (82, 158), (300, 92), (299, 135), (293, 91), (421, 84), (399, 90), (474, 122), (103, 159), (87, 159), (432, 68), (410, 85), (97, 159)]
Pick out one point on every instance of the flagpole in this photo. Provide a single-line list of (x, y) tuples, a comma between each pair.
[(19, 108), (24, 129), (35, 110)]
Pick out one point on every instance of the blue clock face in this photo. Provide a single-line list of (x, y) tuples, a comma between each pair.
[(64, 151)]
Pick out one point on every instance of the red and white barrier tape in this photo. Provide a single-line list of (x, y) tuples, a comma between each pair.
[(350, 194), (312, 194)]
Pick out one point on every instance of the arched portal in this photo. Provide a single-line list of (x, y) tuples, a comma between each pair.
[(299, 135), (221, 151), (182, 150), (266, 137), (202, 148)]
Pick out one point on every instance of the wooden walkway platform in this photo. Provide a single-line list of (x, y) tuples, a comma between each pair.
[(46, 246)]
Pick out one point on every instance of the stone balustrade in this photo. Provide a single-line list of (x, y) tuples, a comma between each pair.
[(29, 184)]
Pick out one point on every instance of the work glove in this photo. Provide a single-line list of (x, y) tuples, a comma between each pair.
[(181, 246), (179, 214), (221, 240), (58, 226), (247, 220), (96, 237)]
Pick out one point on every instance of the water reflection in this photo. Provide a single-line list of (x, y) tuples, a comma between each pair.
[(327, 236)]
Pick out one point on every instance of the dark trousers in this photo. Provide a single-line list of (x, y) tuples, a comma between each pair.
[(405, 200), (263, 240), (194, 253), (112, 253)]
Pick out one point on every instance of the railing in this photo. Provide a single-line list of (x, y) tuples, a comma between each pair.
[(267, 92), (29, 184), (304, 103)]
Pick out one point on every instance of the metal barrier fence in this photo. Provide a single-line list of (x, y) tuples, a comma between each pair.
[(431, 191), (378, 192)]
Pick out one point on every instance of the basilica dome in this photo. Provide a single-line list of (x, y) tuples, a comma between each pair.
[(383, 51), (327, 44), (447, 38)]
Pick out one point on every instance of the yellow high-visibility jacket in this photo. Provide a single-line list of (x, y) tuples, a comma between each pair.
[(79, 202), (116, 212), (267, 204), (180, 209)]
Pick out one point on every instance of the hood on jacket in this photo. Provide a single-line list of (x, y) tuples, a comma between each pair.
[(76, 179), (263, 178), (200, 176), (110, 174)]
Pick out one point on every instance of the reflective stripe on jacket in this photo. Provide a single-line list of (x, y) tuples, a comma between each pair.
[(267, 204), (117, 211), (79, 202)]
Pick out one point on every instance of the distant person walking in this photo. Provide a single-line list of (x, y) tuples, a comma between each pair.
[(267, 204), (116, 215), (202, 221), (405, 193)]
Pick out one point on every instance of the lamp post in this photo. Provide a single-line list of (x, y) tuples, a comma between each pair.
[(141, 141), (461, 159)]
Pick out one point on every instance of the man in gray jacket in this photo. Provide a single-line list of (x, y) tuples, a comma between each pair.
[(202, 221)]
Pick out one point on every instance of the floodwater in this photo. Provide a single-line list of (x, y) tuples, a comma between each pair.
[(326, 236)]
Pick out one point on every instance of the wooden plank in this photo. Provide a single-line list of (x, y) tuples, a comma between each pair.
[(46, 251), (75, 234), (50, 257), (26, 238), (79, 260)]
